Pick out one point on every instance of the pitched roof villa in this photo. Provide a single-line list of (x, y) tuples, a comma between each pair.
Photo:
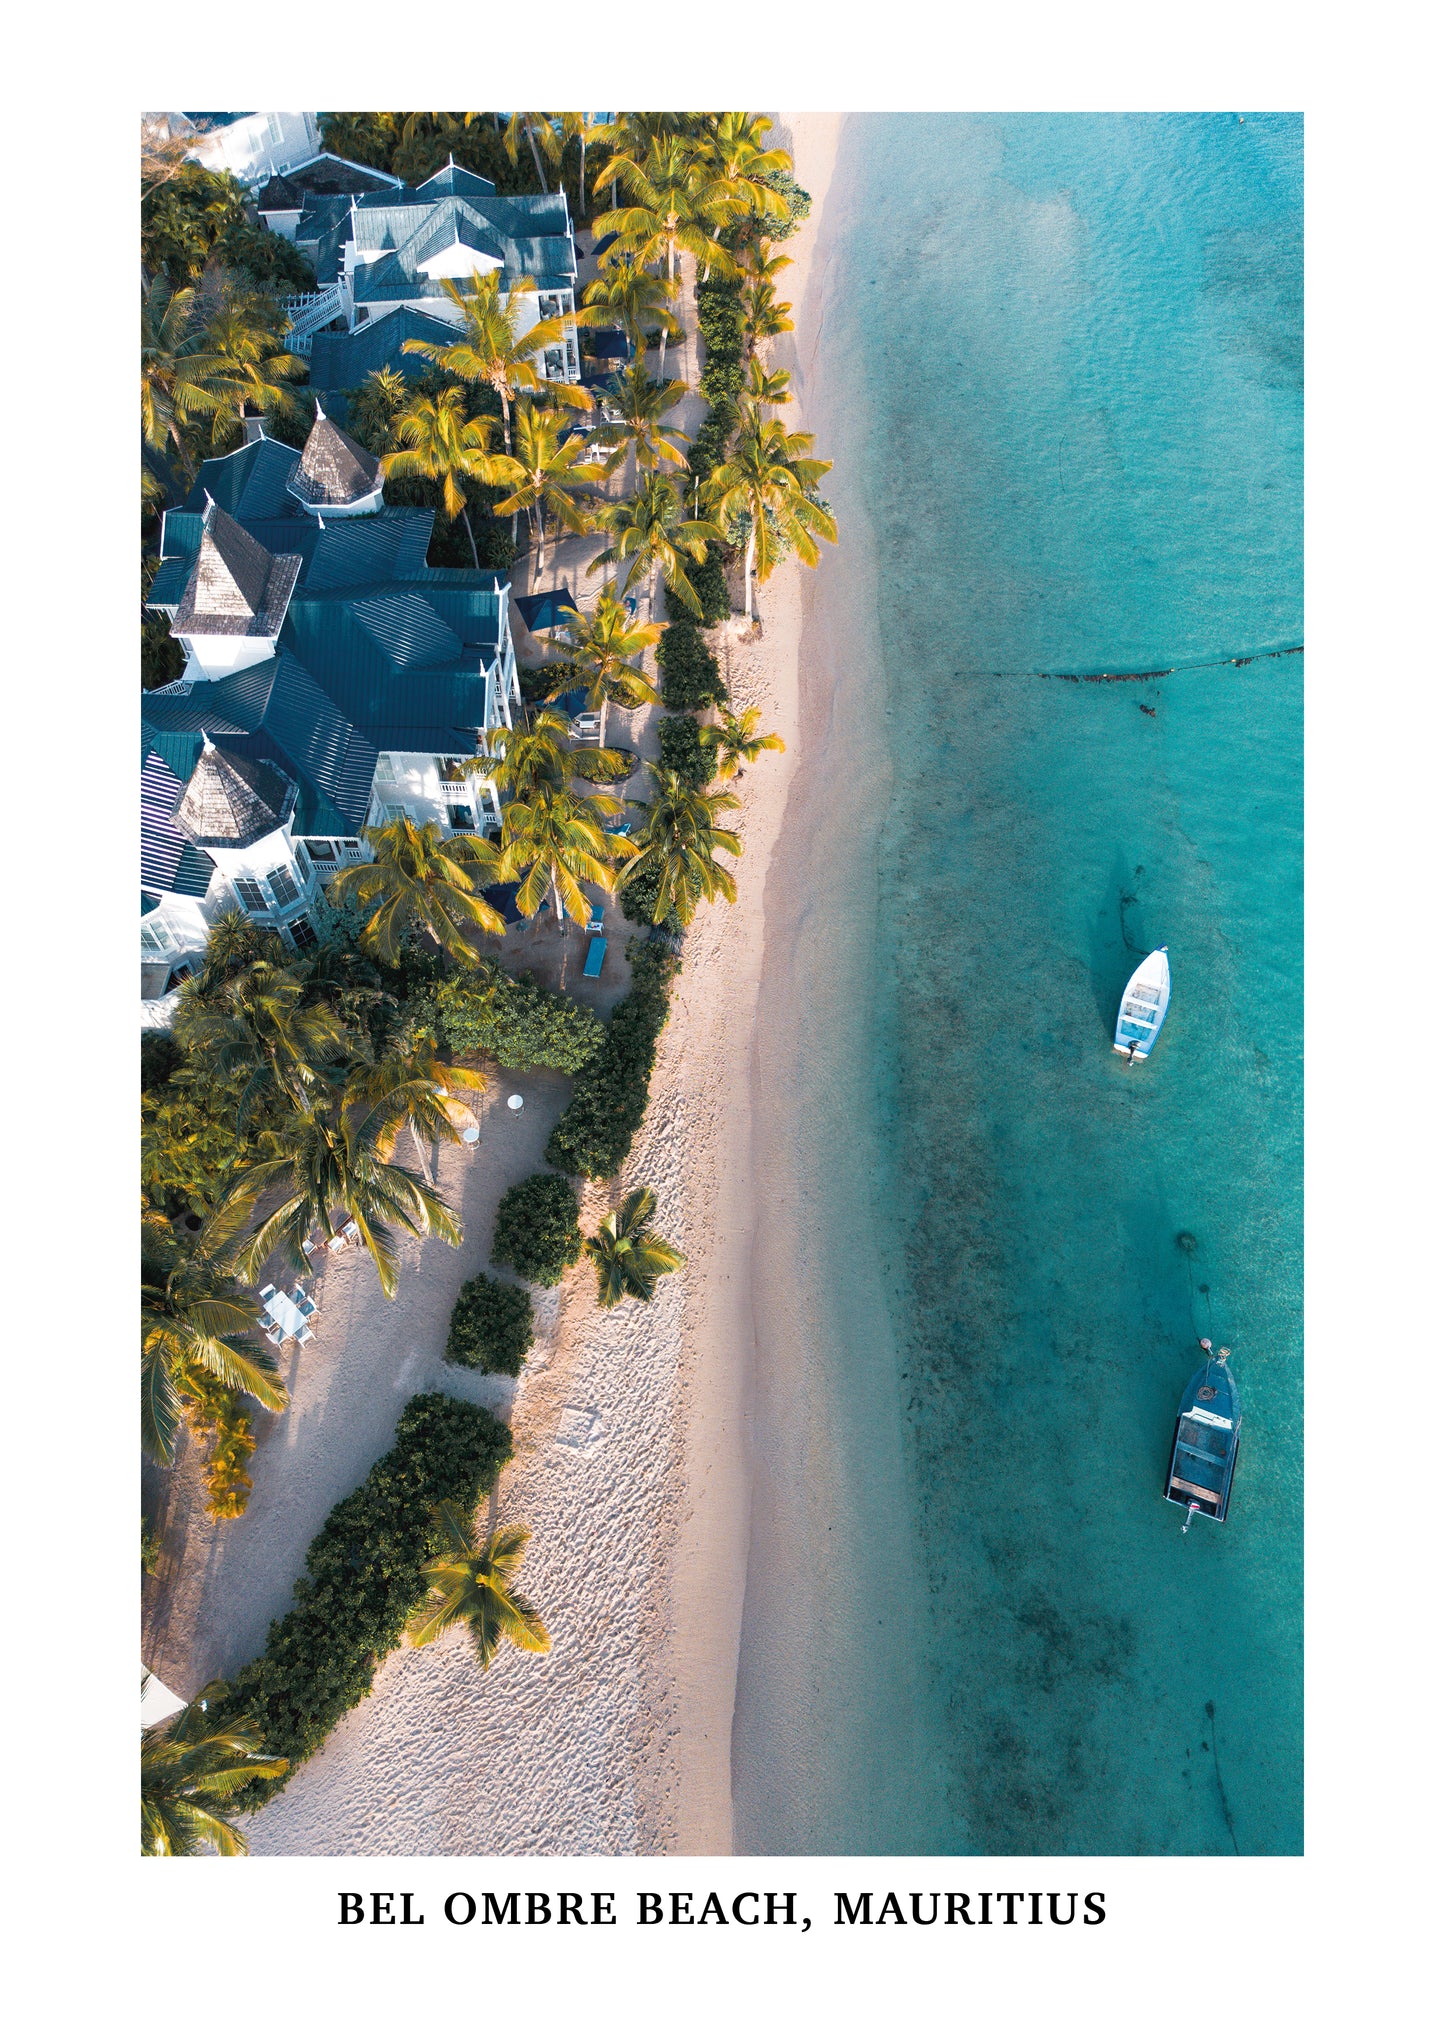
[(333, 679), (380, 248)]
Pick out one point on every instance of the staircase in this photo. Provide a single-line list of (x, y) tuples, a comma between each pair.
[(308, 314)]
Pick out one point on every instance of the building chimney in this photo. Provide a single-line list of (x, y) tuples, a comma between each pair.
[(254, 429)]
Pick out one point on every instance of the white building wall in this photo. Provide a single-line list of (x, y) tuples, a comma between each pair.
[(210, 655), (261, 145), (411, 784), (263, 876)]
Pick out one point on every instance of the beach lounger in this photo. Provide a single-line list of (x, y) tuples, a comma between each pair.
[(596, 952), (594, 918)]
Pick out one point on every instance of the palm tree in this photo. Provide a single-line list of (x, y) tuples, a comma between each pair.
[(420, 880), (650, 533), (194, 1324), (521, 761), (544, 474), (267, 1034), (441, 444), (335, 1158), (178, 374), (737, 739), (644, 405), (415, 1089), (471, 1585), (629, 1257), (627, 295), (493, 349), (678, 205), (371, 411), (762, 386), (553, 839), (679, 844), (235, 942), (191, 1764), (764, 314), (736, 147), (768, 481), (607, 645), (533, 127), (252, 368)]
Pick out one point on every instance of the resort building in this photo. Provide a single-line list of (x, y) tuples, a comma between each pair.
[(333, 680), (385, 248), (250, 146)]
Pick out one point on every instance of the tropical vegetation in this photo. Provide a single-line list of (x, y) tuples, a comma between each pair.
[(470, 1584), (419, 880), (537, 1231), (491, 1326), (363, 1579), (609, 1094), (515, 1021), (192, 1767), (298, 1091), (629, 1257), (737, 742)]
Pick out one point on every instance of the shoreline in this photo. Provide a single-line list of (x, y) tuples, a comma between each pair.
[(632, 1455), (710, 1549)]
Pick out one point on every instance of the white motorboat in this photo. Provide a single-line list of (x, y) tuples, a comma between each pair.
[(1144, 1006)]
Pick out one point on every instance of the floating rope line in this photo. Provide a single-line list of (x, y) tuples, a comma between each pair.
[(1121, 674), (1183, 667)]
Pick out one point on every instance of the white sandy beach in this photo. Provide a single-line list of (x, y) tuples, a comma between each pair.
[(632, 1462)]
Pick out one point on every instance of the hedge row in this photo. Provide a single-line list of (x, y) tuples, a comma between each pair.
[(609, 1097), (686, 665), (681, 748), (363, 1579)]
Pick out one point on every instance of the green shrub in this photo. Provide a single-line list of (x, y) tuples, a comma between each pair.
[(160, 1056), (710, 442), (516, 1021), (537, 1232), (264, 259), (363, 1579), (682, 749), (709, 579), (603, 776), (610, 1096), (491, 1326), (687, 667), (537, 683), (799, 202), (638, 898)]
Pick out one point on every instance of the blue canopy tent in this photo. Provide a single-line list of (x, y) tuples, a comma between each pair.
[(544, 611)]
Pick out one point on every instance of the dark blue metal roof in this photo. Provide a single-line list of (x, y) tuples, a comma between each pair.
[(343, 361), (169, 863), (249, 483)]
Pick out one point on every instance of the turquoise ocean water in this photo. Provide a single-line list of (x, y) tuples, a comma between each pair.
[(1071, 348)]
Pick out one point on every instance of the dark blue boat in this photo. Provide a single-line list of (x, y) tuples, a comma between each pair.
[(1206, 1440)]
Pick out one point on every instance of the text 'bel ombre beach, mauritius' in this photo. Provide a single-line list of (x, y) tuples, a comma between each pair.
[(1060, 360)]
